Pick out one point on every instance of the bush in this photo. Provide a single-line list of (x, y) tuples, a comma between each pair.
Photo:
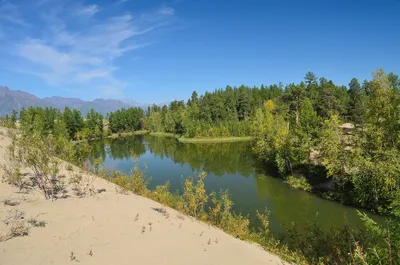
[(195, 195), (39, 155), (299, 183), (136, 182), (36, 223), (12, 168)]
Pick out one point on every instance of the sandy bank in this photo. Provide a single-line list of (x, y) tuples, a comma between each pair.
[(112, 228)]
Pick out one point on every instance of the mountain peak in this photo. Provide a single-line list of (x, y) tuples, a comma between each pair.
[(15, 99)]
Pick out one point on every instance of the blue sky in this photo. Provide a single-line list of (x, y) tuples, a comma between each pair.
[(157, 51)]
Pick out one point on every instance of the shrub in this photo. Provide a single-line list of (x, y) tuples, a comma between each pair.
[(12, 167), (195, 195), (37, 223), (82, 184), (299, 183), (17, 229), (38, 154)]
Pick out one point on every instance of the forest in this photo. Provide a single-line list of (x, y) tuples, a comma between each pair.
[(313, 132)]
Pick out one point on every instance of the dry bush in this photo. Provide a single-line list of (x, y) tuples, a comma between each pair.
[(13, 201), (121, 190), (60, 187), (14, 215), (17, 229), (69, 167), (17, 225), (82, 185)]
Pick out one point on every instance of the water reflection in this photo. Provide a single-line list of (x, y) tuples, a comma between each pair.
[(229, 166)]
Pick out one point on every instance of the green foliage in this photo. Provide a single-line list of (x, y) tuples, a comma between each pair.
[(12, 167), (358, 102), (126, 120), (136, 182), (93, 125), (332, 148), (274, 143), (37, 223), (38, 153), (320, 247), (195, 195), (299, 183), (73, 121), (376, 156), (9, 121)]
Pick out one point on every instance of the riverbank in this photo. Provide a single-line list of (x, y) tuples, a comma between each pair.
[(109, 226), (163, 134), (126, 134), (184, 139), (216, 140)]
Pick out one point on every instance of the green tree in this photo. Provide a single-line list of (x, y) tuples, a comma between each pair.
[(332, 149), (376, 156), (394, 82), (310, 78), (358, 101)]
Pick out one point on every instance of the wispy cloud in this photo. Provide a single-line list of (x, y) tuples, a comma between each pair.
[(9, 12), (167, 11), (72, 43), (88, 10), (122, 1)]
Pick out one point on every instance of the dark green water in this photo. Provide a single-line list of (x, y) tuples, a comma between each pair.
[(229, 166)]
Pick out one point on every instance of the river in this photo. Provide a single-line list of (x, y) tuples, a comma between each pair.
[(230, 166)]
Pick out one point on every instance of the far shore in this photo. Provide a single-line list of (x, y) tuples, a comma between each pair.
[(184, 139), (216, 140)]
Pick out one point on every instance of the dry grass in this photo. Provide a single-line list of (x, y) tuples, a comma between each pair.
[(82, 185), (17, 225)]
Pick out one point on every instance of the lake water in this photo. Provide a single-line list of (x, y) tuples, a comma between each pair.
[(230, 166)]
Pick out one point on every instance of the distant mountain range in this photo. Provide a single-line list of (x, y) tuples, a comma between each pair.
[(16, 99)]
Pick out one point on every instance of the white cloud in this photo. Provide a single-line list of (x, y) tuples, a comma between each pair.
[(122, 1), (88, 10), (97, 73), (167, 11), (64, 50)]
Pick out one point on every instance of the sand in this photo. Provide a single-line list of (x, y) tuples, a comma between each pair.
[(112, 228)]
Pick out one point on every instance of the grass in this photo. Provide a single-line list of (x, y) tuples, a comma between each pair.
[(140, 132), (125, 134), (37, 223), (184, 139), (216, 140), (163, 134), (17, 225), (17, 229)]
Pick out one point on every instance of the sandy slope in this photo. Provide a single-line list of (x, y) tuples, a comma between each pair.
[(116, 229)]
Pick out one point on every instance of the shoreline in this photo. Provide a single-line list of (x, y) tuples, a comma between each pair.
[(216, 140), (181, 139)]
